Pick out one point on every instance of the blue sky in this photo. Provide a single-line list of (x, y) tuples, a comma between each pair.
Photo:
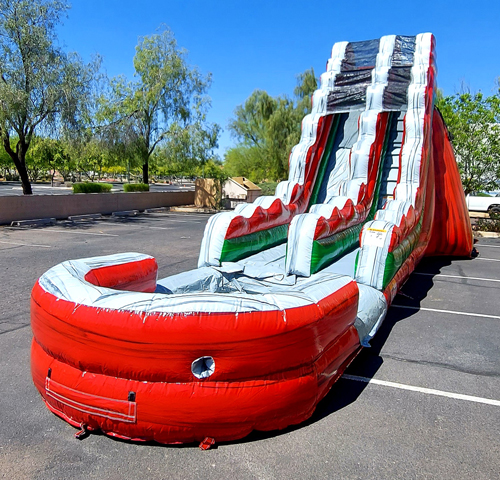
[(249, 45)]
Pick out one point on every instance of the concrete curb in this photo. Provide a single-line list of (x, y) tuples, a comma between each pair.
[(126, 213), (189, 209), (473, 214), (157, 210), (486, 234), (89, 216), (36, 222)]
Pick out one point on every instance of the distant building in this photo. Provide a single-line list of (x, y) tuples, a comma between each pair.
[(239, 190)]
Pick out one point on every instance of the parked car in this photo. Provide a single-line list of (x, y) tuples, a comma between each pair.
[(483, 202)]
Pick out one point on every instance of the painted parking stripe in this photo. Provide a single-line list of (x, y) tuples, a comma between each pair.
[(185, 215), (137, 227), (26, 244), (456, 276), (488, 246), (428, 391), (163, 215), (488, 259), (50, 230), (166, 216), (447, 311), (184, 221)]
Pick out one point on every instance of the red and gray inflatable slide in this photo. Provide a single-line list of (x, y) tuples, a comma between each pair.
[(288, 289)]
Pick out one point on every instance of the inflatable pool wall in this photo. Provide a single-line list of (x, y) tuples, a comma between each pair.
[(287, 290)]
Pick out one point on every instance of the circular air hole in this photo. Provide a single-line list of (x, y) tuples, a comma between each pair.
[(203, 367)]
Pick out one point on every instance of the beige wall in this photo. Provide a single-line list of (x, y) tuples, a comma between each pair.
[(204, 193), (252, 195), (28, 207)]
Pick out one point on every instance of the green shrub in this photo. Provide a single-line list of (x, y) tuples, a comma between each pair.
[(268, 188), (136, 187), (91, 187)]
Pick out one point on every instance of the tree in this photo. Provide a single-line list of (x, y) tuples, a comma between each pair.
[(267, 128), (474, 123), (117, 138), (250, 123), (5, 165), (92, 156), (36, 165), (168, 97), (41, 87), (191, 145), (245, 161), (49, 154)]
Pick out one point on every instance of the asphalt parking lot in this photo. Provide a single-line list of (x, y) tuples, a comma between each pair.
[(423, 402)]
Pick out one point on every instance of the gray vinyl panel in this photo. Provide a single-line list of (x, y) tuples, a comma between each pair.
[(345, 137), (390, 169)]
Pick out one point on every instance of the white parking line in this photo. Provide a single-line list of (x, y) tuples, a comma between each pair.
[(183, 221), (51, 230), (183, 215), (456, 276), (186, 215), (490, 259), (428, 391), (447, 311), (26, 244), (136, 227), (40, 187), (489, 246)]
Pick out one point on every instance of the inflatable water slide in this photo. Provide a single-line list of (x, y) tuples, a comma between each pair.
[(287, 290)]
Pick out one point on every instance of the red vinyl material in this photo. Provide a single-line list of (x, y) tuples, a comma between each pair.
[(451, 232), (139, 276), (271, 367), (175, 412)]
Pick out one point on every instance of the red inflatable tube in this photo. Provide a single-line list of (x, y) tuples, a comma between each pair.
[(186, 411), (183, 412), (137, 277), (338, 221), (156, 347), (277, 214), (130, 373)]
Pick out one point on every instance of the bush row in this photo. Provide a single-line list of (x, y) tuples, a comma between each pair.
[(136, 187), (91, 187), (95, 187)]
